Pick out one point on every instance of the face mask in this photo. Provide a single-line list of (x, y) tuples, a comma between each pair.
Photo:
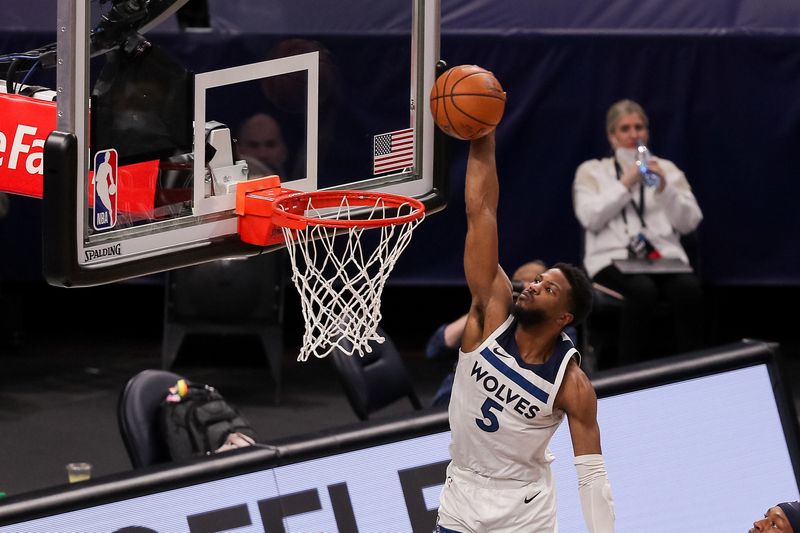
[(625, 156)]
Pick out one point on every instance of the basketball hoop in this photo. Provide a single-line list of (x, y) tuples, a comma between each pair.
[(338, 271)]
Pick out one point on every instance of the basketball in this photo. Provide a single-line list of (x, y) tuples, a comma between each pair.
[(467, 102)]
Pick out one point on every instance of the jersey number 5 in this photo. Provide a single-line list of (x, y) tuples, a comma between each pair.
[(489, 421)]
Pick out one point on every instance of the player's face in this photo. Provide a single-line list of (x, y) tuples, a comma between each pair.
[(628, 130), (547, 294), (774, 521)]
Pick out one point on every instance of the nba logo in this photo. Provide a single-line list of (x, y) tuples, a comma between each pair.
[(105, 189)]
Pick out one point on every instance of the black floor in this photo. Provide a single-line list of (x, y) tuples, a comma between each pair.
[(58, 401), (63, 373)]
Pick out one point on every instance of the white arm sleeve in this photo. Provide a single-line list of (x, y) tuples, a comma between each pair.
[(597, 502)]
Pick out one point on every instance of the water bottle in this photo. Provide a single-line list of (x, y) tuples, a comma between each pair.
[(649, 177)]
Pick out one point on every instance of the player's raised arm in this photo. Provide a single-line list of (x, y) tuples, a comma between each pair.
[(467, 103), (481, 195), (488, 284)]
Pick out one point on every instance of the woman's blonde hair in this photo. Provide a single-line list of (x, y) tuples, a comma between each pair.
[(622, 108)]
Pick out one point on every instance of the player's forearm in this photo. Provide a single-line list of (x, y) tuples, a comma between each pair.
[(597, 501), (481, 257), (482, 189), (481, 195)]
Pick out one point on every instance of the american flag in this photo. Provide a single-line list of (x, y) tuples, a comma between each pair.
[(393, 151)]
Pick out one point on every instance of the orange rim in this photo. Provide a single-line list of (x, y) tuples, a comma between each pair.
[(287, 207)]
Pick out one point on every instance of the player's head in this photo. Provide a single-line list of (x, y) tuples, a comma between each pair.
[(525, 275), (260, 137), (580, 292), (783, 518), (626, 122), (562, 295)]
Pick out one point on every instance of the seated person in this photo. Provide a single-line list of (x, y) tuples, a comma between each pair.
[(446, 340), (624, 218), (783, 518), (234, 441), (261, 144), (194, 419)]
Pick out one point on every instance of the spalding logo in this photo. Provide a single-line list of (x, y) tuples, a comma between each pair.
[(99, 253)]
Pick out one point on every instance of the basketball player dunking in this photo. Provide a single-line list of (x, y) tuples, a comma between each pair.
[(517, 376)]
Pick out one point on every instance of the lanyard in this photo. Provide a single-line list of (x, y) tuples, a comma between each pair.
[(638, 209)]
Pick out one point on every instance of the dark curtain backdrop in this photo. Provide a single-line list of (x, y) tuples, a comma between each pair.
[(724, 106), (498, 16)]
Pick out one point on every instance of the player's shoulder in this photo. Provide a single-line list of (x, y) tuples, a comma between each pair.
[(484, 322), (576, 388), (575, 374)]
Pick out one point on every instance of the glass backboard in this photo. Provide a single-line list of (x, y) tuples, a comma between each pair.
[(156, 128)]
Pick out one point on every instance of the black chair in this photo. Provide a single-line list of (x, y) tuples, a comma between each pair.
[(375, 380), (599, 335), (227, 297), (596, 337), (137, 412)]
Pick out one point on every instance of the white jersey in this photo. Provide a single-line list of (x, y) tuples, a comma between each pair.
[(501, 410)]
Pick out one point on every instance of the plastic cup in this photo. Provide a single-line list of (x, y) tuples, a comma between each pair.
[(79, 472)]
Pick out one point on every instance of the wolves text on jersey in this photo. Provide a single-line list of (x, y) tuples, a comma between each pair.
[(505, 394)]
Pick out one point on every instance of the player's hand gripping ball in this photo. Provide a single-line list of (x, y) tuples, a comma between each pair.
[(467, 102)]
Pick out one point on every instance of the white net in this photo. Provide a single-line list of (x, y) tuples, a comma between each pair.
[(340, 274)]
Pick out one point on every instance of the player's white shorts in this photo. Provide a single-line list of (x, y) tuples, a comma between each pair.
[(471, 503)]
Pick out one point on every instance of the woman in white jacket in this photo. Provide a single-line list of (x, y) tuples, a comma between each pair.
[(624, 218)]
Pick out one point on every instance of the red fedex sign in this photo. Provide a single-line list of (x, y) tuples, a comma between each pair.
[(25, 123)]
